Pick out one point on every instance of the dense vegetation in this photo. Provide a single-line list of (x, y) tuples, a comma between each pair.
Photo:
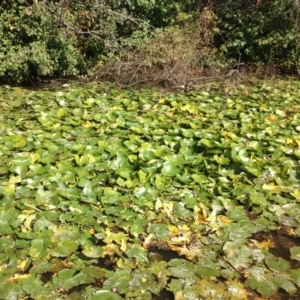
[(73, 37), (134, 195), (109, 194)]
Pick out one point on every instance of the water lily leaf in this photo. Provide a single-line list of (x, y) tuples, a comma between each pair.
[(34, 287), (267, 288), (7, 217), (160, 230), (92, 251), (221, 160), (296, 194), (181, 212), (181, 268), (184, 178), (119, 280), (138, 226), (9, 190), (254, 171), (121, 161), (21, 170), (48, 158), (68, 177), (236, 214), (204, 271), (24, 265), (295, 252), (288, 221), (169, 169), (3, 170), (256, 145), (81, 160), (61, 113), (272, 188), (155, 257), (285, 284), (137, 253), (207, 143), (199, 178), (92, 273), (229, 274), (147, 156), (37, 249), (131, 146), (142, 176), (295, 276), (70, 193), (67, 279), (297, 152), (177, 159), (37, 169), (243, 157), (18, 141), (297, 230), (277, 264), (64, 249), (258, 198), (55, 265), (144, 280)]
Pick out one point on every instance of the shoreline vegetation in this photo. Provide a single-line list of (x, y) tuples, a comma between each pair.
[(135, 194), (166, 44)]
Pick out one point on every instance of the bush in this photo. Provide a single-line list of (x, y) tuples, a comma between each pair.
[(31, 45), (191, 43), (173, 57), (265, 33), (68, 37), (62, 38)]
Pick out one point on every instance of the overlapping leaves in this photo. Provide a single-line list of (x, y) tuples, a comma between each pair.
[(94, 183)]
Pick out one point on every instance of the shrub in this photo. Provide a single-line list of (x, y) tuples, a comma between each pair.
[(61, 38), (31, 45), (174, 56), (265, 33)]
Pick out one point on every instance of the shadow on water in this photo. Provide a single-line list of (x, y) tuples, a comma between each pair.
[(156, 254), (283, 241), (164, 295)]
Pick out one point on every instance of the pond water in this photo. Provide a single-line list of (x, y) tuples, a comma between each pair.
[(147, 195)]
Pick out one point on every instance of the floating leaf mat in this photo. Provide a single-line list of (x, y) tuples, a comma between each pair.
[(109, 194)]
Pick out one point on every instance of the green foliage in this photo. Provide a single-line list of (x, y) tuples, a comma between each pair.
[(61, 38), (112, 195), (117, 26), (171, 46), (173, 56), (66, 38), (267, 33), (31, 45)]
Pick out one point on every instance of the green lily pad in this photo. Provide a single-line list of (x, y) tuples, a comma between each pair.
[(67, 279), (169, 169), (277, 264), (295, 252), (110, 194), (267, 288), (181, 268)]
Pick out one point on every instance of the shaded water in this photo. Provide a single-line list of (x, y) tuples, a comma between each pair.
[(283, 242)]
